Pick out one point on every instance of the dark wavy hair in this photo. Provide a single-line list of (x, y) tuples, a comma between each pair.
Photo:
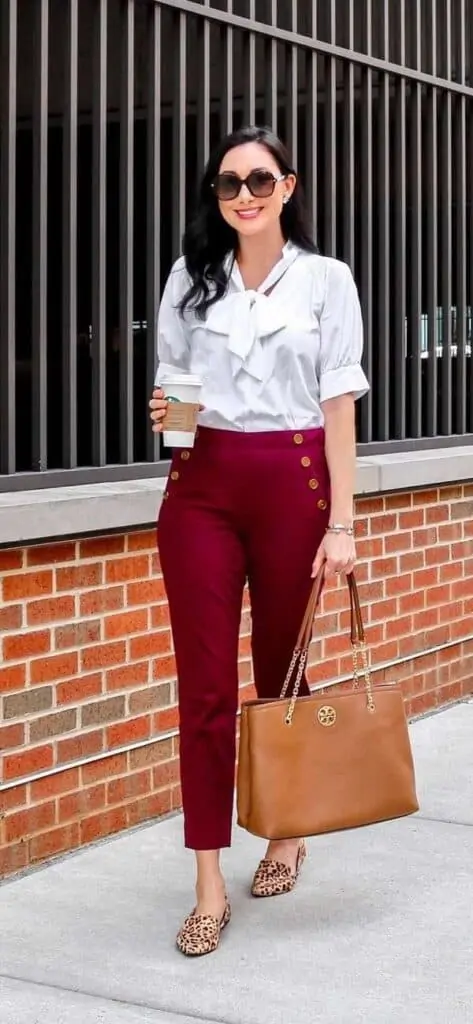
[(208, 238)]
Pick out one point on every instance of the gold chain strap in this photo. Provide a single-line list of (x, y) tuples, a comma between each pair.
[(295, 693), (360, 651)]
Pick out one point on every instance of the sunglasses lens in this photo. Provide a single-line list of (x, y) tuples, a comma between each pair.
[(226, 186), (261, 184)]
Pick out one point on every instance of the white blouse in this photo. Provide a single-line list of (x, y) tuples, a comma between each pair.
[(268, 362)]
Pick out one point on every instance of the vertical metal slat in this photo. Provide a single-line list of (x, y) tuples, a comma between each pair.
[(446, 236), (227, 75), (69, 243), (292, 90), (249, 69), (330, 115), (384, 258), (311, 121), (399, 361), (271, 72), (204, 98), (8, 111), (460, 408), (415, 242), (99, 227), (153, 203), (432, 191), (349, 147), (179, 132), (40, 239), (366, 277), (126, 230)]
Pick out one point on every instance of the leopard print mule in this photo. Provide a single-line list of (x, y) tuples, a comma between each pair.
[(273, 878), (200, 933)]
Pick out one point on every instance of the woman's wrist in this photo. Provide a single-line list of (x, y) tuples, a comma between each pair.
[(340, 527)]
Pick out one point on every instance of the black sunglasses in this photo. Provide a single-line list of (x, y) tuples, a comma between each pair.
[(261, 184)]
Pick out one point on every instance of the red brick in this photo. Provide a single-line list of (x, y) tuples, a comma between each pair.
[(78, 577), (118, 570), (425, 497), (102, 655), (52, 609), (149, 807), (382, 610), (386, 652), (25, 823), (437, 514), (12, 678), (127, 675), (439, 595), (25, 645), (103, 824), (451, 692), (58, 666), (394, 542), (148, 591), (462, 588), (81, 804), (13, 858), (104, 769), (127, 623), (370, 548), (54, 785), (382, 567), (46, 554), (10, 617), (152, 753), (149, 644), (399, 584), (119, 790), (164, 668), (78, 634), (450, 571), (11, 558), (361, 527), (462, 549), (411, 560), (28, 762), (27, 584), (176, 798), (411, 602), (142, 541), (383, 524), (95, 602), (87, 745), (11, 736), (434, 556), (423, 702), (12, 799), (426, 619), (165, 720), (409, 520), (425, 578), (165, 774), (98, 547), (366, 506), (73, 691), (127, 732), (424, 538), (56, 841), (452, 493), (397, 501), (159, 616)]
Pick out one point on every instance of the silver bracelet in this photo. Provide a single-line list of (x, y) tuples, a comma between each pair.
[(340, 528)]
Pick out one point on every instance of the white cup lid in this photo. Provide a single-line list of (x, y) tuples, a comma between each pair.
[(185, 379)]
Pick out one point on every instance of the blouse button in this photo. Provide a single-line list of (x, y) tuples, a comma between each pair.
[(185, 456), (175, 475), (322, 503), (298, 438), (305, 461), (313, 484)]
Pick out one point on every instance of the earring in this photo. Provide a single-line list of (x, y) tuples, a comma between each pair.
[(285, 200)]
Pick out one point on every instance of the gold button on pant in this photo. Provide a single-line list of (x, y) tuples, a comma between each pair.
[(298, 438), (313, 484), (175, 475), (305, 461), (185, 456), (322, 503)]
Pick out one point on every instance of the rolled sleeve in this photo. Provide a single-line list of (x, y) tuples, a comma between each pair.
[(341, 330), (172, 342)]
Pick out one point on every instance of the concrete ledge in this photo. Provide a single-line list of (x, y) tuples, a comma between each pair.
[(97, 508)]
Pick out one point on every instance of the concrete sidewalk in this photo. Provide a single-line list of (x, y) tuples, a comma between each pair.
[(379, 930)]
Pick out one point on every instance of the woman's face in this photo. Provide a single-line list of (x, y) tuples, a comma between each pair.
[(246, 213)]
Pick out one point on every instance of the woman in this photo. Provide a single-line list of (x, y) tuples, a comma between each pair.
[(266, 494)]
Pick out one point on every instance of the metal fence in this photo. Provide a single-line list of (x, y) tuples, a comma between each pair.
[(108, 111)]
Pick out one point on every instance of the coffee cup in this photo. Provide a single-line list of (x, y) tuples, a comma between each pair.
[(182, 392)]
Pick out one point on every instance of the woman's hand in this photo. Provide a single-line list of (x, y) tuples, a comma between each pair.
[(337, 553), (158, 406)]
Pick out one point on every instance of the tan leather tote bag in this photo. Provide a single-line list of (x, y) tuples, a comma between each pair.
[(329, 761)]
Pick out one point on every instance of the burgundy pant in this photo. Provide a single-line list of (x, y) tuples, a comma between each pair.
[(238, 507)]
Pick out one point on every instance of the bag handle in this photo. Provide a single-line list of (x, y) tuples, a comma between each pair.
[(357, 637)]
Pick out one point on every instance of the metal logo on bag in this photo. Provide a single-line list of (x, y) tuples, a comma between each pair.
[(327, 716)]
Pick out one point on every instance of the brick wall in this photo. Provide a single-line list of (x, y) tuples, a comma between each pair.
[(87, 664)]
